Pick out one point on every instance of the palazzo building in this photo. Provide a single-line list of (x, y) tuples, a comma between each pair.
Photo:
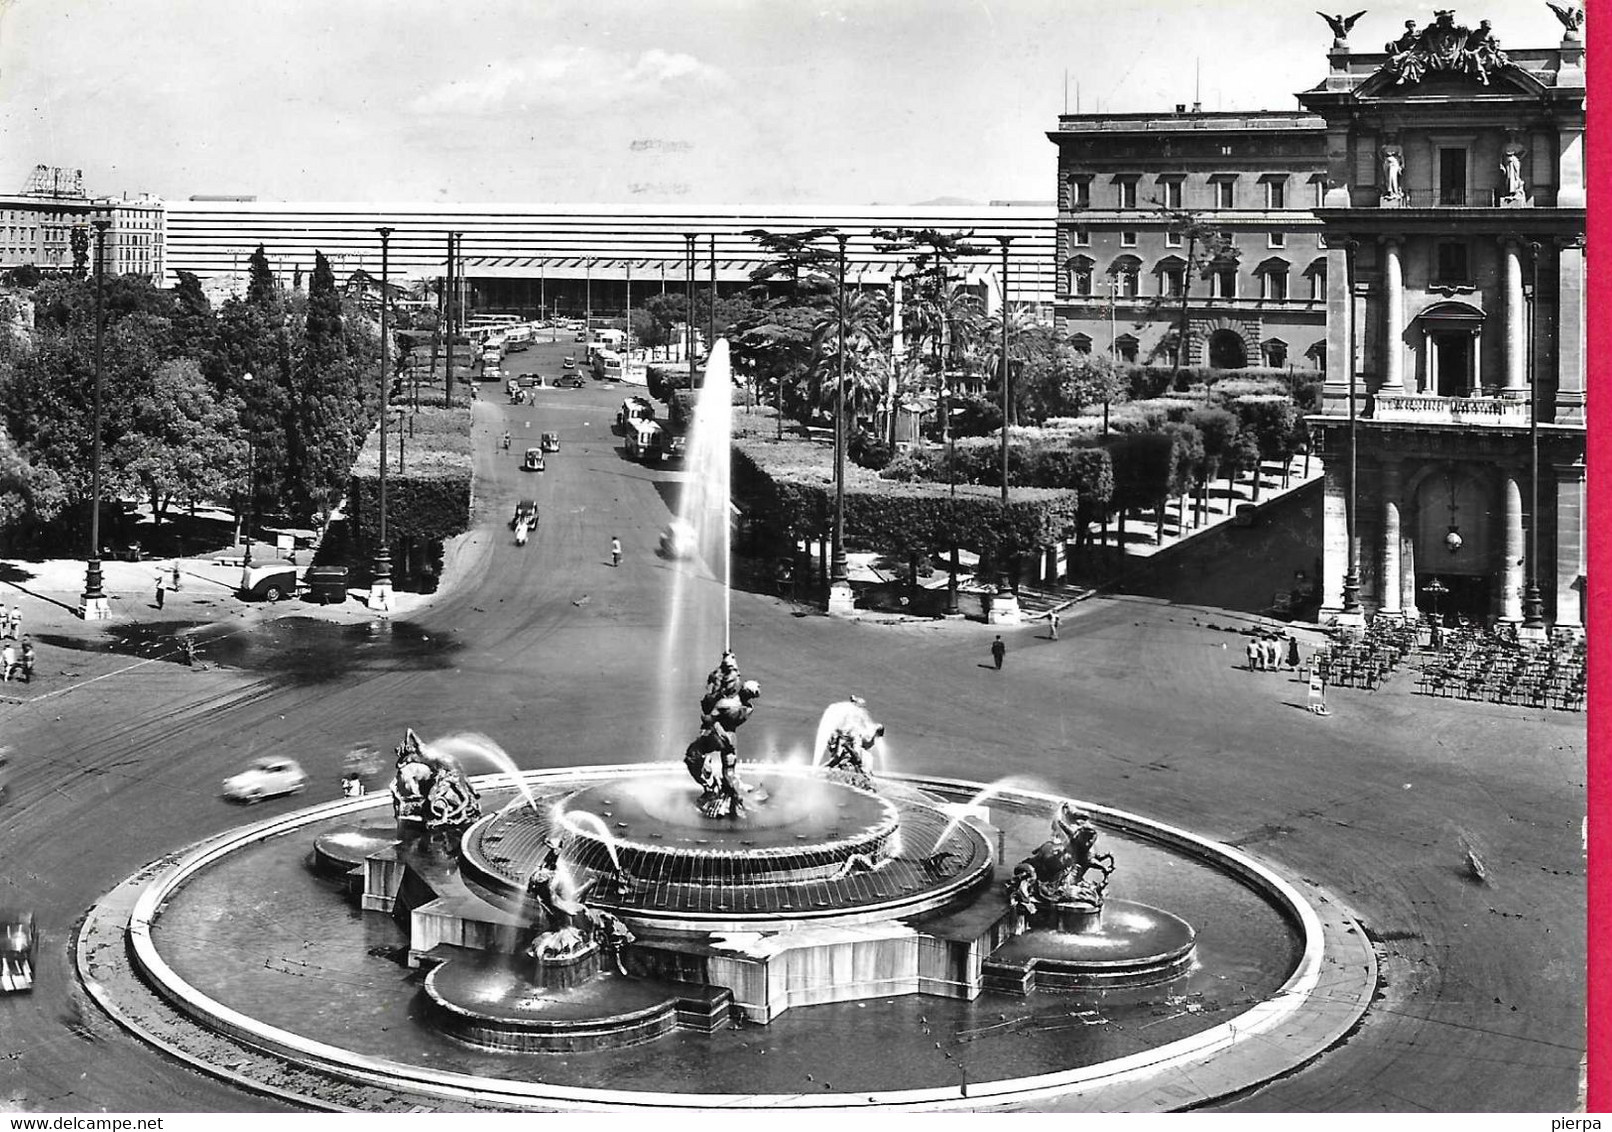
[(1125, 181), (1453, 216)]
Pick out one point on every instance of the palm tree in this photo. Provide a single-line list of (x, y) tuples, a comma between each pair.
[(866, 353)]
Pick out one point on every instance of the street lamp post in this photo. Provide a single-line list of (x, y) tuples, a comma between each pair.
[(449, 283), (1533, 609), (93, 606), (251, 477), (380, 587), (840, 598), (1351, 578), (710, 333)]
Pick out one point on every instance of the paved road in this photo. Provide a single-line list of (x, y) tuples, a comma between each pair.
[(560, 658)]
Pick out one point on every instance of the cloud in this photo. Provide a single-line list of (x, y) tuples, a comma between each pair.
[(571, 76)]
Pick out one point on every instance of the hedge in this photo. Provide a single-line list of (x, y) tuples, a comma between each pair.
[(429, 498)]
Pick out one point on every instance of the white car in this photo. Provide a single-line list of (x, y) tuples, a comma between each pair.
[(265, 778), (678, 540)]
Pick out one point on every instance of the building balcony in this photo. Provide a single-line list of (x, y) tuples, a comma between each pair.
[(1452, 198), (1416, 408)]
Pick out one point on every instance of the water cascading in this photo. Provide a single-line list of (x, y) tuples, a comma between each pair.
[(703, 510), (470, 745)]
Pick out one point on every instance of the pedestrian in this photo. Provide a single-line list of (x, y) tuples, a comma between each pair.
[(176, 573), (998, 651), (27, 661), (8, 660), (161, 584), (1292, 653), (1272, 654), (1052, 622), (1252, 652), (615, 552), (14, 622)]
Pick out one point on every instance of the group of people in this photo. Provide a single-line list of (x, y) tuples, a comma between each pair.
[(1265, 653), (10, 623), (17, 660)]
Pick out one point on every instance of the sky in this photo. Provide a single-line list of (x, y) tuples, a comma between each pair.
[(632, 101)]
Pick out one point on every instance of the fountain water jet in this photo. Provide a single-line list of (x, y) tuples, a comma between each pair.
[(473, 745), (1010, 782), (581, 821)]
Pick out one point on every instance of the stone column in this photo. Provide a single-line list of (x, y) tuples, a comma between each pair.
[(1569, 334), (1569, 539), (1515, 372), (1430, 363), (1334, 531), (1407, 571), (1389, 598), (1511, 563), (1394, 321)]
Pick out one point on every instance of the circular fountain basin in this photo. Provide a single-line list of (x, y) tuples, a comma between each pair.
[(807, 846), (1127, 944)]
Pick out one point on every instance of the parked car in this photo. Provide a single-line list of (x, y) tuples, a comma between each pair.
[(265, 778), (525, 509), (18, 939), (582, 336), (268, 581), (569, 381), (533, 461)]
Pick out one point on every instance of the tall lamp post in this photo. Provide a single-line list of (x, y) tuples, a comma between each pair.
[(1005, 607), (1351, 578), (688, 322), (380, 587), (840, 598), (1533, 609), (710, 332), (251, 477), (93, 606), (447, 306)]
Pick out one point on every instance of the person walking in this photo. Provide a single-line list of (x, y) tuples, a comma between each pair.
[(1292, 653), (998, 651), (13, 622), (162, 582), (1052, 623), (615, 552), (1251, 651), (8, 660), (27, 661), (176, 571)]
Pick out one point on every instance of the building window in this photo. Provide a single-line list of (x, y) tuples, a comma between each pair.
[(1172, 281), (1127, 193), (1173, 240), (1080, 279), (1172, 193), (1082, 237), (1126, 346), (1318, 286), (1450, 267), (1127, 275), (1275, 194), (1277, 240), (1225, 151), (1127, 239), (1452, 176), (1079, 192), (1225, 194), (1228, 238), (1081, 343), (1224, 281), (1275, 351), (1276, 285)]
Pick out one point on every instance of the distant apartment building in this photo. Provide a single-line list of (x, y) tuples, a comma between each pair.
[(135, 241), (1124, 266), (36, 226)]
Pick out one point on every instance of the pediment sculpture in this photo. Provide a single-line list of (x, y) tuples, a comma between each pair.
[(1445, 45)]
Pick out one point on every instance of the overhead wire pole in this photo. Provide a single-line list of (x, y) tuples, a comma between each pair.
[(380, 588), (688, 320), (1351, 577), (447, 297), (840, 598), (93, 606), (1004, 241), (710, 334), (1533, 609)]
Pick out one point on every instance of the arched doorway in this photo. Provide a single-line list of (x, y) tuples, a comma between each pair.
[(1226, 350), (1455, 577)]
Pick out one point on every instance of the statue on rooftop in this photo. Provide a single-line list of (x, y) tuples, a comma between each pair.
[(1340, 26), (1572, 18)]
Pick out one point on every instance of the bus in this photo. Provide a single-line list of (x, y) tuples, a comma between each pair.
[(644, 441), (608, 366)]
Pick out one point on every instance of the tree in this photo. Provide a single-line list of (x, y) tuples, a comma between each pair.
[(183, 443), (1186, 469), (194, 325), (772, 340), (262, 288), (866, 329), (1218, 429), (80, 241), (1207, 249)]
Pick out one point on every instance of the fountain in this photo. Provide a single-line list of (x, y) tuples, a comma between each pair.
[(603, 908)]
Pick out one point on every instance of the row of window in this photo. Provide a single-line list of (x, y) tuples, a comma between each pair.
[(1126, 276), (1080, 237), (1273, 351), (1223, 189)]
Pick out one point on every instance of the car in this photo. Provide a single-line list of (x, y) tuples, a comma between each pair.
[(533, 461), (265, 778), (550, 442), (570, 361), (525, 509), (678, 540), (18, 938), (5, 771), (582, 336), (268, 581), (569, 381)]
